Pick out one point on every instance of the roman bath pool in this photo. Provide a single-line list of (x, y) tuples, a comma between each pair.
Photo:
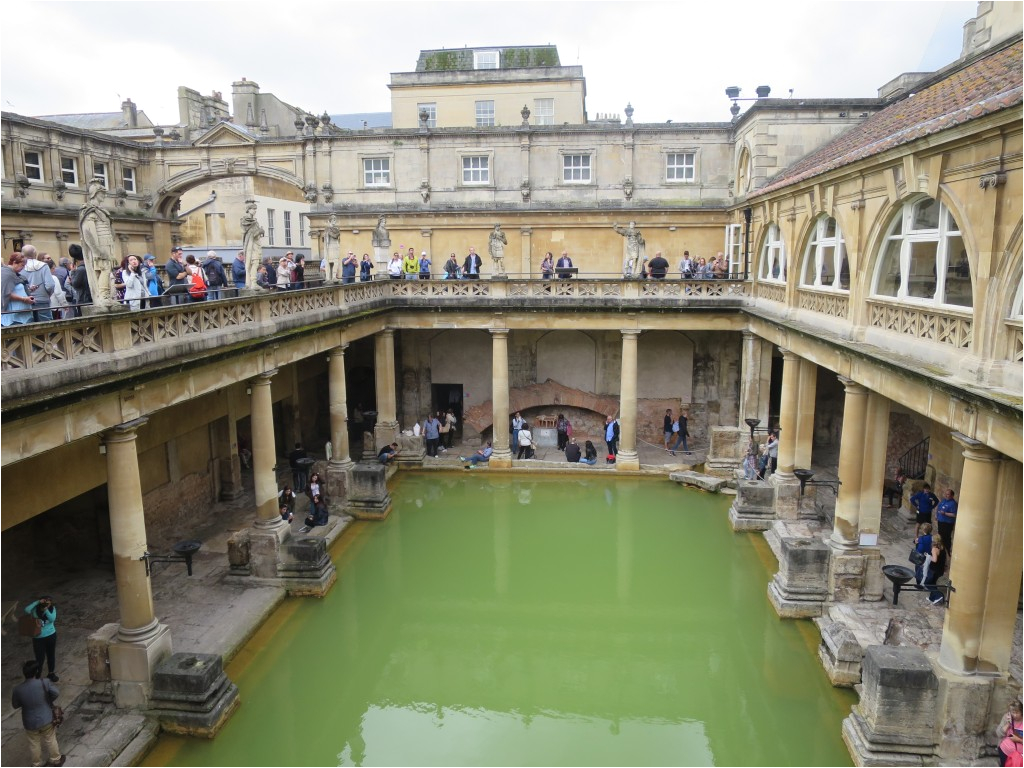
[(499, 619)]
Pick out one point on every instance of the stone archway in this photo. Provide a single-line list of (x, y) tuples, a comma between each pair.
[(550, 393)]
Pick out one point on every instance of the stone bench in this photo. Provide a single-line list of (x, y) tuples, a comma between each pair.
[(698, 480)]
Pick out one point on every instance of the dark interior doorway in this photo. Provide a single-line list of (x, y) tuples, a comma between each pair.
[(445, 396)]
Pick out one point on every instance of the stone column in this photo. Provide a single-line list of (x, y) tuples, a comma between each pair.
[(264, 451), (224, 441), (502, 456), (805, 414), (628, 457), (386, 430), (970, 570), (876, 439), (755, 380), (846, 531), (338, 466), (141, 642), (788, 415)]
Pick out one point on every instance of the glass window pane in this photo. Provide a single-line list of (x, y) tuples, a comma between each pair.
[(889, 270), (926, 214), (921, 280), (958, 275), (828, 254)]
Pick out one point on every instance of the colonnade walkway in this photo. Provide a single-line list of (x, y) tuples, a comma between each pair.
[(211, 613)]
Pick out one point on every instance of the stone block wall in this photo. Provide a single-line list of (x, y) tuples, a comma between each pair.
[(174, 511)]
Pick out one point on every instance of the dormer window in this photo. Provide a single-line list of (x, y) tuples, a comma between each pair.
[(485, 59)]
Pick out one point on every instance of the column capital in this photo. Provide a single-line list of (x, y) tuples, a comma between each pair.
[(499, 332), (265, 377), (338, 351), (975, 450), (386, 332), (788, 354), (125, 431), (749, 335), (852, 387), (630, 332)]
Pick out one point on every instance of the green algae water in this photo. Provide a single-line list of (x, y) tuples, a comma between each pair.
[(510, 620)]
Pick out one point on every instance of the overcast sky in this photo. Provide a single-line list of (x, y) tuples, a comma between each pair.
[(671, 60)]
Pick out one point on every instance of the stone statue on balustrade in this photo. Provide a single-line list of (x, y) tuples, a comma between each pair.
[(101, 259), (332, 245), (632, 261), (496, 245), (252, 235), (381, 241)]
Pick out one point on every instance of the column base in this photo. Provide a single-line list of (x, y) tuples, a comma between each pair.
[(132, 663), (192, 696), (412, 451), (501, 458), (787, 495), (845, 573), (627, 461)]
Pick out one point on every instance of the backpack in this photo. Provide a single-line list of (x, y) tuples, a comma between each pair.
[(212, 273), (197, 289)]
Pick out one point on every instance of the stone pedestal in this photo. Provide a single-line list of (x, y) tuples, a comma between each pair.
[(726, 452), (300, 564), (797, 590), (754, 506), (412, 450), (846, 574), (132, 662), (874, 579), (896, 721), (336, 478), (192, 696), (368, 497), (787, 496), (840, 654)]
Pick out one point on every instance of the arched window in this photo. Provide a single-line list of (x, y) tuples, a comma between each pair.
[(825, 264), (923, 258), (773, 256)]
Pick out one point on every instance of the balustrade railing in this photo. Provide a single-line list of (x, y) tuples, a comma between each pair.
[(33, 345), (929, 325), (825, 302)]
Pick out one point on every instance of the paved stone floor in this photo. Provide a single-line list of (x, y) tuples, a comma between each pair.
[(214, 613)]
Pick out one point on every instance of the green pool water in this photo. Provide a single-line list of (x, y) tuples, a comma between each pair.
[(505, 620)]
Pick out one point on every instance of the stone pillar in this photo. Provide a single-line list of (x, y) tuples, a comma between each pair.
[(787, 489), (340, 462), (627, 457), (846, 531), (385, 431), (502, 456), (788, 416), (141, 641), (755, 379), (805, 414), (264, 451), (224, 442), (971, 568), (876, 440)]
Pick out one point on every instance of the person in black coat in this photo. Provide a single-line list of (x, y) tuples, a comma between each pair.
[(471, 266)]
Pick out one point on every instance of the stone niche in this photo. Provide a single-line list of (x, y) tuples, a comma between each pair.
[(895, 721)]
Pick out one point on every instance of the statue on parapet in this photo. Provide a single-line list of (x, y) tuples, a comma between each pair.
[(635, 246), (496, 246), (98, 245), (252, 235), (332, 245)]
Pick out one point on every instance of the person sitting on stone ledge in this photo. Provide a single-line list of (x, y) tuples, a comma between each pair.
[(573, 454), (482, 456), (387, 453), (318, 516)]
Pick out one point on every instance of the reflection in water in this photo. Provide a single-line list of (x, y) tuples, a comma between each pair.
[(616, 622)]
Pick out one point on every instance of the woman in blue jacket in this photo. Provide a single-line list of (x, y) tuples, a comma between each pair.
[(44, 645)]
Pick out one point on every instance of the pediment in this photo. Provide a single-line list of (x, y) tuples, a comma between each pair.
[(222, 135)]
